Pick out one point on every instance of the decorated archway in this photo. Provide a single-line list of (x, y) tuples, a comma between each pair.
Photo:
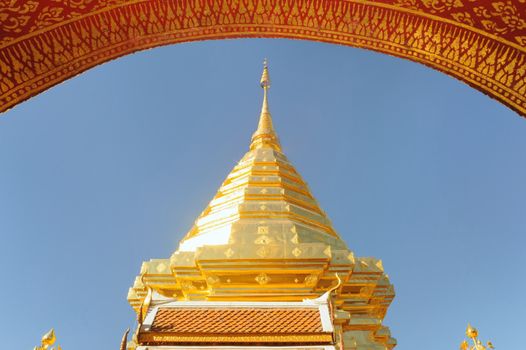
[(482, 42)]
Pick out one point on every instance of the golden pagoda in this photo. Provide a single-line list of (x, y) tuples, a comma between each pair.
[(262, 268)]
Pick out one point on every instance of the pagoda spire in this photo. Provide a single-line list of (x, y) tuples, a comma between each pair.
[(265, 135)]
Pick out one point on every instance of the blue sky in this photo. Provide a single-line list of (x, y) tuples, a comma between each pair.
[(112, 167)]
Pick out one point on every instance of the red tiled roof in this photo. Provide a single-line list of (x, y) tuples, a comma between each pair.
[(237, 321)]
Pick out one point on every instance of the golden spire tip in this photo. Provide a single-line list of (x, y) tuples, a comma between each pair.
[(265, 134), (265, 80)]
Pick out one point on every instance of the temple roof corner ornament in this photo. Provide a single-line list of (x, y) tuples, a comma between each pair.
[(124, 340), (473, 334), (47, 342), (325, 297)]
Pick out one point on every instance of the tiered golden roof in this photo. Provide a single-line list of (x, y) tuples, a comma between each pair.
[(264, 237)]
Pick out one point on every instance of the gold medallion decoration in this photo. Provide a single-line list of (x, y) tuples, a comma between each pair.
[(229, 252), (263, 230), (263, 240), (311, 280), (479, 42), (188, 285), (212, 280), (263, 251), (262, 278), (296, 252), (161, 267)]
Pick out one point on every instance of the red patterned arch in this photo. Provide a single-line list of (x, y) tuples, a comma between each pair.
[(481, 42)]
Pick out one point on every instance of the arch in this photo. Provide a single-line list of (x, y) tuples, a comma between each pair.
[(482, 43)]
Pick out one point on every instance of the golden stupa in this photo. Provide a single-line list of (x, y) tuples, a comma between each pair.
[(262, 267)]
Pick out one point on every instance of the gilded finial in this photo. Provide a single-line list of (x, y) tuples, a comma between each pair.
[(47, 340), (472, 333), (265, 80), (265, 136)]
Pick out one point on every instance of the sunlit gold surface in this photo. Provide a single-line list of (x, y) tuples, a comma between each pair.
[(264, 237), (472, 333), (47, 341)]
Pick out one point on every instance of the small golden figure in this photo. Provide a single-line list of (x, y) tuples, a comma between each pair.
[(47, 340), (473, 334)]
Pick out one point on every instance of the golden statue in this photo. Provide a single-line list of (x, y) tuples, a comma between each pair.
[(47, 340), (473, 334)]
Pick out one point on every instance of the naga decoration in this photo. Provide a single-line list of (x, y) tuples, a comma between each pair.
[(482, 42), (47, 341), (124, 340), (473, 334)]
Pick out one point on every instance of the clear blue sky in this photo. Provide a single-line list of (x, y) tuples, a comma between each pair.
[(112, 167)]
